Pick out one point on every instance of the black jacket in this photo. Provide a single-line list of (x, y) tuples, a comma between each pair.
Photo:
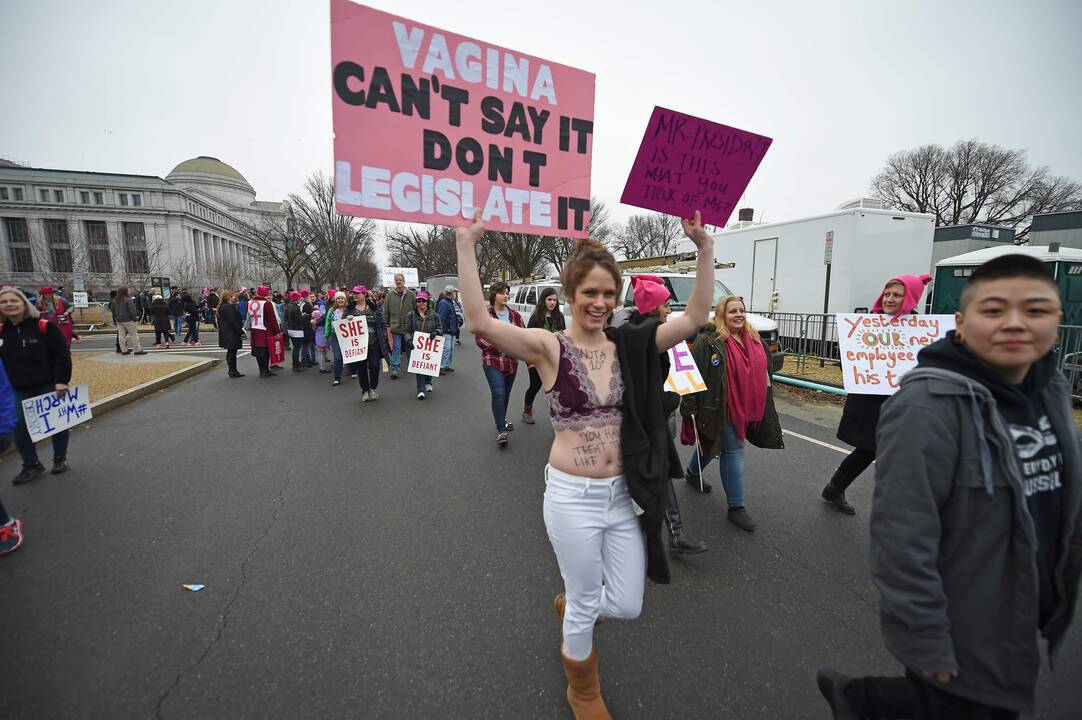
[(649, 455), (230, 330), (159, 309), (860, 417), (176, 305), (33, 360)]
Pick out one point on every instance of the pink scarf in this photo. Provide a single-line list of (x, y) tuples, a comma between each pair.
[(746, 372)]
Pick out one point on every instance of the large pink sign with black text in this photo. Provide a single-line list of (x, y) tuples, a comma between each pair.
[(431, 126)]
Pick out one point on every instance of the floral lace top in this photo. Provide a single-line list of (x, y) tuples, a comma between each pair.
[(574, 402)]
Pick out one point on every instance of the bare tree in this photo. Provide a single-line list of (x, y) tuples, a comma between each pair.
[(340, 248), (647, 235), (431, 249), (226, 271), (519, 254), (281, 244), (600, 227), (974, 182), (184, 273)]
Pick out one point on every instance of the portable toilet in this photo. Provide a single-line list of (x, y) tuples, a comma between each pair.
[(1065, 264)]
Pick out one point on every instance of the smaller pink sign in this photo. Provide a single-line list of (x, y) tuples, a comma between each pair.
[(686, 164)]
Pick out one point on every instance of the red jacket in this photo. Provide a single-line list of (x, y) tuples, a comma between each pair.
[(261, 338)]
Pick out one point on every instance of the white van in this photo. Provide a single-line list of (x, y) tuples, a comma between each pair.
[(523, 298)]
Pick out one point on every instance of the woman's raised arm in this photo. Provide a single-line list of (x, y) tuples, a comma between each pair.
[(535, 346), (697, 311)]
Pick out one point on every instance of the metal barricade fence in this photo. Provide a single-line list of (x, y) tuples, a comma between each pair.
[(813, 338)]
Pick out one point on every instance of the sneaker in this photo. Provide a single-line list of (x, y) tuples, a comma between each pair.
[(60, 465), (420, 396), (167, 346), (126, 352), (394, 374), (681, 544), (336, 382), (365, 396), (324, 371), (501, 439), (832, 686), (837, 498), (527, 417), (157, 345), (373, 395), (197, 344), (739, 516), (28, 473), (11, 536), (697, 482), (140, 352), (428, 387), (507, 425), (353, 376)]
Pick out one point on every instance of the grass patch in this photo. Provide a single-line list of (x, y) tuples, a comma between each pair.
[(109, 378), (808, 369)]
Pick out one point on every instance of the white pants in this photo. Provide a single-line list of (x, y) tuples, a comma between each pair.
[(601, 550)]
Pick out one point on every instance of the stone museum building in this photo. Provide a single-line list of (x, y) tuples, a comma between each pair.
[(104, 230)]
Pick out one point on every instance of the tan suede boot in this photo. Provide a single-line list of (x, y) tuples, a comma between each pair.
[(560, 602), (584, 687)]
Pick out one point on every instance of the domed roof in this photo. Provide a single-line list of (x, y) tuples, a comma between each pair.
[(206, 165)]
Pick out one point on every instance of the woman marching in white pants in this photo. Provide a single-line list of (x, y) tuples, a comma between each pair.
[(607, 480)]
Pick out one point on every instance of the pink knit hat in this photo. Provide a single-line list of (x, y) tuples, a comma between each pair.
[(262, 291), (914, 288), (650, 293), (294, 296)]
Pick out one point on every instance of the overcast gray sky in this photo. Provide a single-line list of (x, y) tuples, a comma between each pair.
[(138, 86)]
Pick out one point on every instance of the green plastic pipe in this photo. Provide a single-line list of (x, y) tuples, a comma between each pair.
[(810, 385)]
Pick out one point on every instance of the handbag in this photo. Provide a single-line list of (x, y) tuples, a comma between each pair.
[(767, 432)]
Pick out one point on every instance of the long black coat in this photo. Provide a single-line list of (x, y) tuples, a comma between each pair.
[(159, 309), (230, 330), (860, 417)]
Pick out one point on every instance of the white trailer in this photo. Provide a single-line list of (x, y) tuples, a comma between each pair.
[(859, 249)]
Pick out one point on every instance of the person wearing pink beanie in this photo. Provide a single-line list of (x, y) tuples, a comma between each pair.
[(860, 416)]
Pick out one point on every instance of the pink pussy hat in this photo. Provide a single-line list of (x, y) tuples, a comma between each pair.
[(262, 291), (914, 288), (650, 293), (294, 295)]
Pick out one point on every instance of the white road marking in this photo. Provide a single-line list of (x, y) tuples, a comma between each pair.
[(842, 450)]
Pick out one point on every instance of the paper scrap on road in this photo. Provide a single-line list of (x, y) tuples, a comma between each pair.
[(194, 587)]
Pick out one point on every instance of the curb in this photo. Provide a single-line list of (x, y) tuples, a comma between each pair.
[(105, 405), (131, 394)]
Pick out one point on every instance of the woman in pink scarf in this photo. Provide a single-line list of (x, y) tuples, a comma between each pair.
[(733, 362)]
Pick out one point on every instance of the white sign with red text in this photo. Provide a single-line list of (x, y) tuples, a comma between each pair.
[(427, 354), (352, 334), (684, 376)]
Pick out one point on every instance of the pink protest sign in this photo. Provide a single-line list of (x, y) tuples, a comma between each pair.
[(686, 164), (430, 125)]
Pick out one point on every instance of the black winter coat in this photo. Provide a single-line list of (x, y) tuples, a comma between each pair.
[(32, 359), (230, 330), (860, 417), (159, 309)]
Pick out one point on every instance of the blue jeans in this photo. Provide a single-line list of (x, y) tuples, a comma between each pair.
[(308, 353), (337, 365), (22, 436), (448, 351), (731, 467), (500, 387), (396, 352), (423, 380), (178, 324)]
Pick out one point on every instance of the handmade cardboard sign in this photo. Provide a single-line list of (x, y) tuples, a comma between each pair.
[(877, 350), (427, 354), (409, 276), (430, 126), (684, 376), (686, 164), (352, 334), (47, 414), (277, 350)]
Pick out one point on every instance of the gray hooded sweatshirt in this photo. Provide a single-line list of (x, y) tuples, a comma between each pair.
[(953, 544)]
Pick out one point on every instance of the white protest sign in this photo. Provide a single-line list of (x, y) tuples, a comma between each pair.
[(427, 354), (413, 280), (877, 350), (79, 299), (352, 334), (684, 376), (46, 415)]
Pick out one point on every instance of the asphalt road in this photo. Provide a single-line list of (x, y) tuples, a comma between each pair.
[(387, 560)]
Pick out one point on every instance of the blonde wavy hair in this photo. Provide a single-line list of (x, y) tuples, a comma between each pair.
[(719, 320)]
